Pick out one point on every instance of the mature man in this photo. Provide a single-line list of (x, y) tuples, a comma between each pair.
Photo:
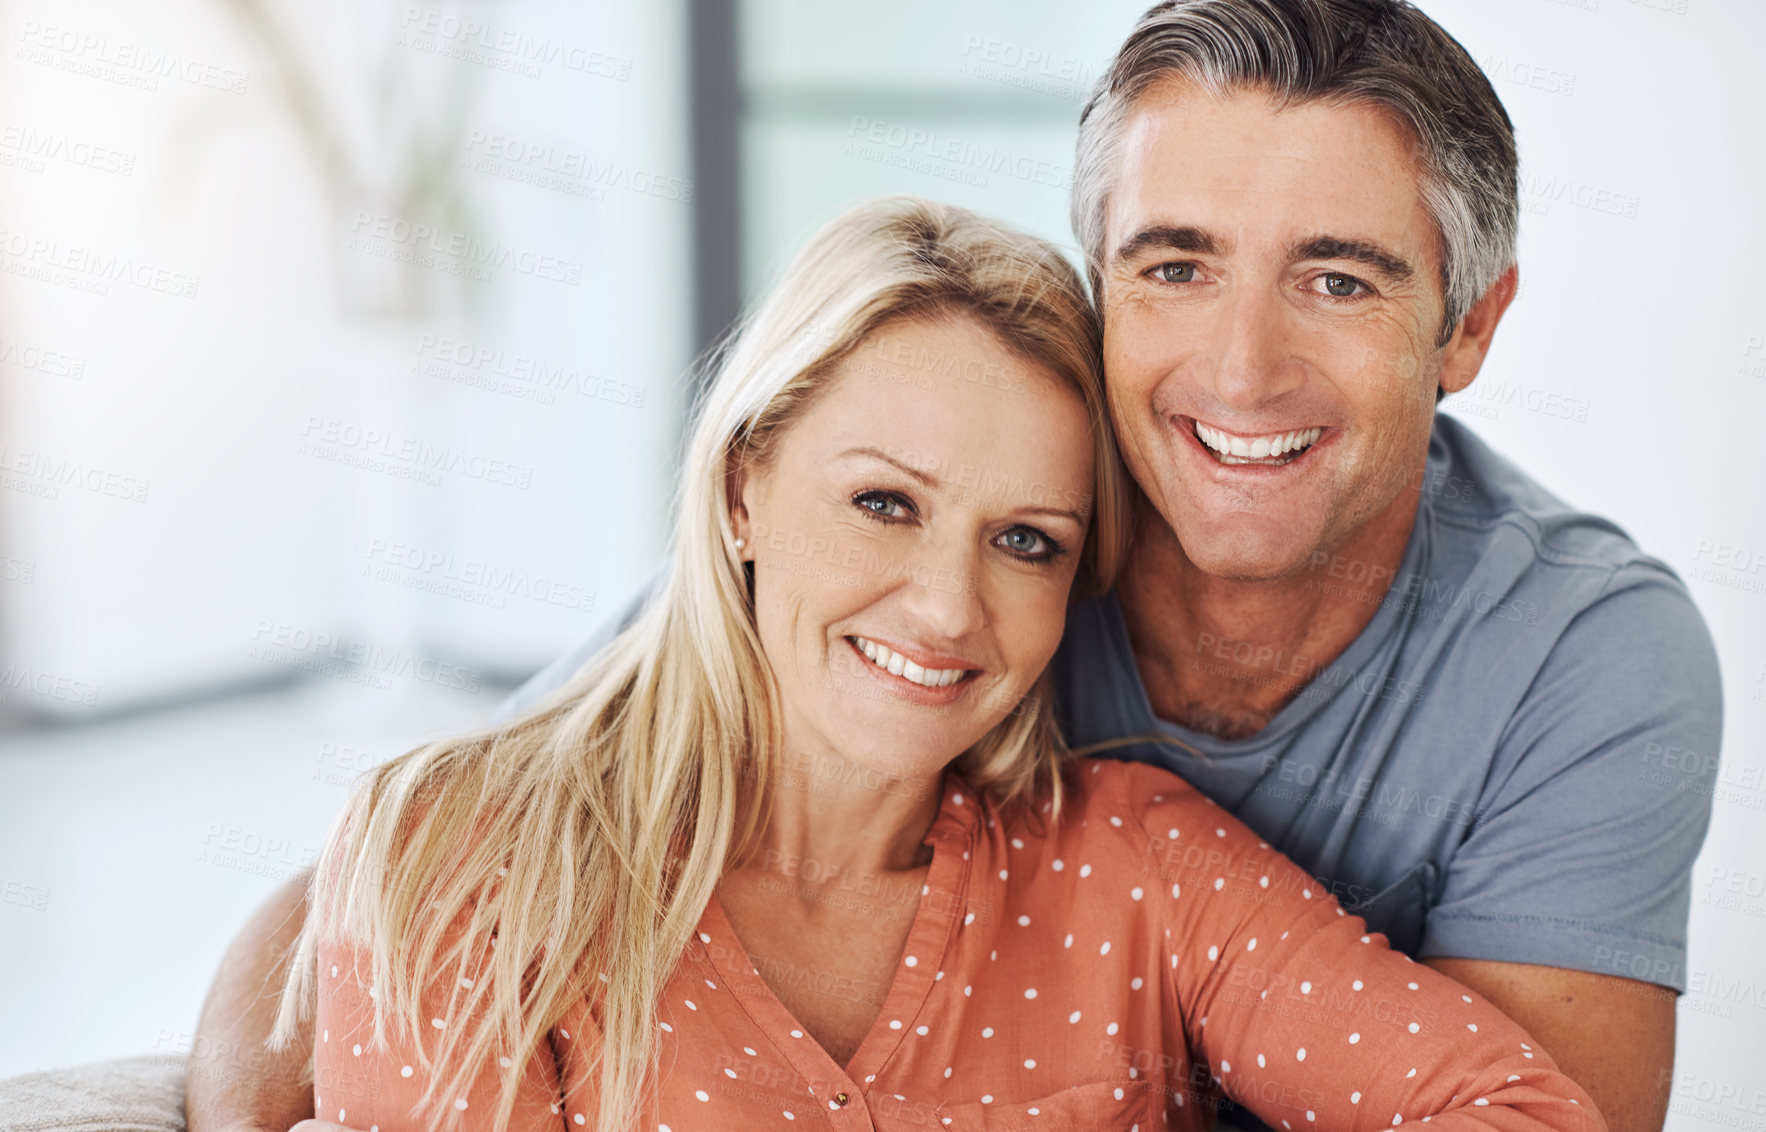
[(1428, 681)]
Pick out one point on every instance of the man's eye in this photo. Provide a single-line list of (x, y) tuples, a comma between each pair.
[(1176, 272), (1341, 286)]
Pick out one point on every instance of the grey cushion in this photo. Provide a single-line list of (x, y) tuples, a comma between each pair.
[(134, 1094)]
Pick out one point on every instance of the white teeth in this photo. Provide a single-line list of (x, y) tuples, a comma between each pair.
[(1238, 450), (901, 666)]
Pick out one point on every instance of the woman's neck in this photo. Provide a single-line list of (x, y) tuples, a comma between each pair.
[(833, 819)]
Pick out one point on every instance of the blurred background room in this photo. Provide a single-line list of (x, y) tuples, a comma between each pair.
[(345, 348)]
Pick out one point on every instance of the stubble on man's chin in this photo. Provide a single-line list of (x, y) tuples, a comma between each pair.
[(1221, 557)]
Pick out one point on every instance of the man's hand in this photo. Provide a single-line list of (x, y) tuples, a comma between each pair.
[(1612, 1036), (232, 1081)]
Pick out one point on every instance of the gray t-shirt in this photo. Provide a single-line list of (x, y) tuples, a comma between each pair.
[(1513, 760)]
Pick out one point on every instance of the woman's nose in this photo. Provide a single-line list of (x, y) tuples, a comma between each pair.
[(941, 588)]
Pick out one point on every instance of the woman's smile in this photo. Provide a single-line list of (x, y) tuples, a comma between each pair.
[(936, 681)]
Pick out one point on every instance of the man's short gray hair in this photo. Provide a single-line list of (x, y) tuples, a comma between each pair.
[(1383, 52)]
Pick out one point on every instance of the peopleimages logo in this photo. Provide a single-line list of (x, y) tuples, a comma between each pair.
[(1028, 68), (1536, 76), (1540, 191), (294, 646), (48, 685), (28, 356), (566, 170), (503, 48), (1729, 564), (380, 450), (87, 269), (373, 232), (129, 64), (519, 374), (949, 156), (469, 579), (26, 148), (42, 475)]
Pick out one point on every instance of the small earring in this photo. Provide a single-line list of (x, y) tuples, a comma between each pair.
[(740, 544)]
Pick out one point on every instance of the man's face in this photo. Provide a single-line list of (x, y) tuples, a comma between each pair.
[(1271, 310)]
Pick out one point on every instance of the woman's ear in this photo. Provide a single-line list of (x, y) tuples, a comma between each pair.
[(740, 484)]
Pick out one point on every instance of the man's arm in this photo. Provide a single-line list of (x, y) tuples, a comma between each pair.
[(1566, 904), (1612, 1036), (233, 1083)]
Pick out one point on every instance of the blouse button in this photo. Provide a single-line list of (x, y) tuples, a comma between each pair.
[(841, 1099)]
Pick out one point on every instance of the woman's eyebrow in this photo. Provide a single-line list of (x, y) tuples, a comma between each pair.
[(878, 454), (932, 481), (1060, 512)]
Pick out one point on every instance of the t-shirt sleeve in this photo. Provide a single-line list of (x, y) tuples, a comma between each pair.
[(1289, 1006), (555, 674), (1581, 851)]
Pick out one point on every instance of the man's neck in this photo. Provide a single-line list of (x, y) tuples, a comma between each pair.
[(1222, 656)]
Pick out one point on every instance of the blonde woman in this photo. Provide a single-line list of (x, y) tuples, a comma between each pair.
[(802, 847)]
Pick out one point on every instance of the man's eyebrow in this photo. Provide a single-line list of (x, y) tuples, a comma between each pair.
[(879, 454), (1168, 237), (1360, 251)]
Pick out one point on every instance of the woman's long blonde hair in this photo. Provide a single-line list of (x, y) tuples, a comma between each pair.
[(616, 805)]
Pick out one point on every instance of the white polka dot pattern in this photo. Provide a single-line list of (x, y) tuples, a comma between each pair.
[(1082, 982)]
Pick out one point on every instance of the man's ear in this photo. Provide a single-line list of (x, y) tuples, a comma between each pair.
[(1464, 353)]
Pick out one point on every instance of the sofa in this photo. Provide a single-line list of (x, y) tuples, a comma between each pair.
[(133, 1094)]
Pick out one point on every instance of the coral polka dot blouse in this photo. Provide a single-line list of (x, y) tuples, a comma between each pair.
[(1120, 973)]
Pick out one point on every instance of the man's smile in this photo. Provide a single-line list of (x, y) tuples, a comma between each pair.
[(1269, 449)]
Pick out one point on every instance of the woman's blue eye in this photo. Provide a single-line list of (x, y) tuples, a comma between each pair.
[(1024, 541), (879, 504)]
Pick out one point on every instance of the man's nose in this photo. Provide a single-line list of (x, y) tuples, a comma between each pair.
[(1254, 361)]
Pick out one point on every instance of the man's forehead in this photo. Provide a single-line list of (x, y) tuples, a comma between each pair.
[(1245, 167), (1179, 97)]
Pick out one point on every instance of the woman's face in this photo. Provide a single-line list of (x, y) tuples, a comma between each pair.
[(914, 539)]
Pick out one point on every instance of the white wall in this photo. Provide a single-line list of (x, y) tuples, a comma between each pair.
[(280, 320), (163, 532)]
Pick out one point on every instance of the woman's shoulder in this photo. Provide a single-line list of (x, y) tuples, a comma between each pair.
[(1114, 797), (1095, 780)]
